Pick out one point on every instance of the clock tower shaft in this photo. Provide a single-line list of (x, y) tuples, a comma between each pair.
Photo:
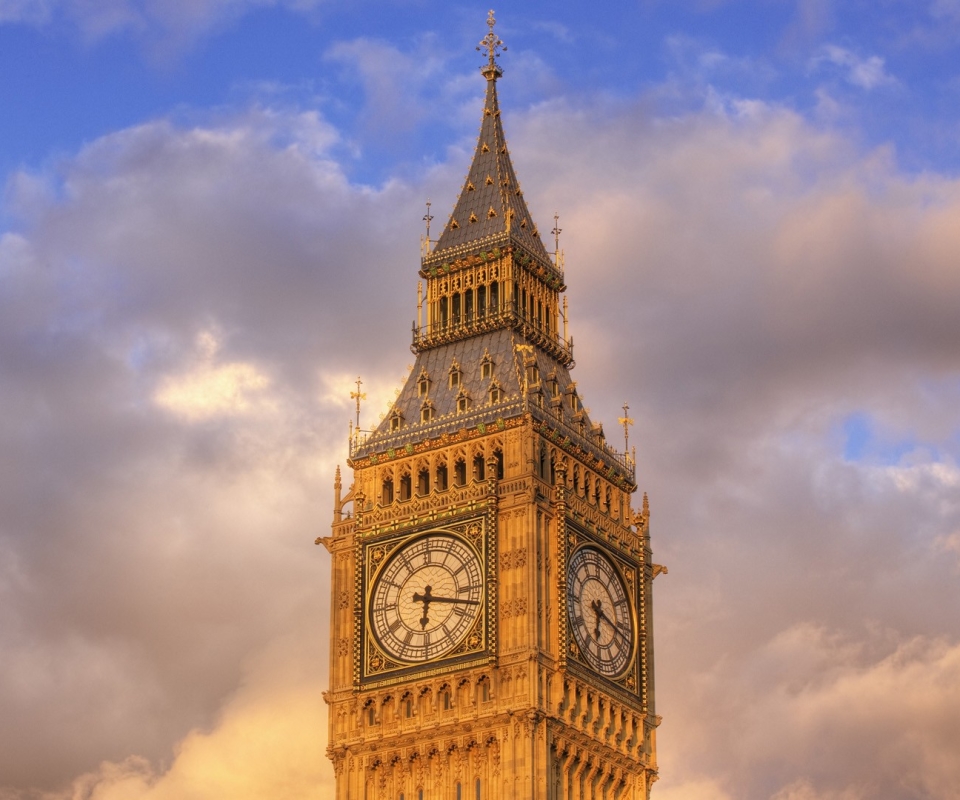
[(491, 608)]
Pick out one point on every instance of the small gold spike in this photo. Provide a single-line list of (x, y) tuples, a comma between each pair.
[(470, 186), (491, 213), (484, 148), (523, 223), (489, 181), (454, 224), (473, 217)]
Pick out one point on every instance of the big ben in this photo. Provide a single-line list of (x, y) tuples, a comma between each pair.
[(491, 612)]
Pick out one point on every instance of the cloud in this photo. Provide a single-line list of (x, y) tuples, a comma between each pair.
[(865, 73), (166, 25), (266, 742), (746, 280), (172, 313), (209, 390)]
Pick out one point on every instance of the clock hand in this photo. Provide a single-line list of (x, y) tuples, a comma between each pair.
[(426, 598), (597, 607), (435, 599)]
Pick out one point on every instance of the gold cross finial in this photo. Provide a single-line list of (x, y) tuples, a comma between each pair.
[(626, 422), (428, 217), (358, 396), (491, 43)]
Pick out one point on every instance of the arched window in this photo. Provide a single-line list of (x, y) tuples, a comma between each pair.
[(423, 384), (468, 305), (478, 467), (481, 302), (386, 492), (406, 486), (455, 308), (460, 473), (494, 297), (423, 482), (441, 477), (444, 312), (426, 411), (486, 366)]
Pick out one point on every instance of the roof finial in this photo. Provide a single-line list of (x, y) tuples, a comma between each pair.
[(491, 42), (428, 217), (358, 396), (626, 421)]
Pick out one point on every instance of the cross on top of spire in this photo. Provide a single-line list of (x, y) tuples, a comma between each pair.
[(491, 43)]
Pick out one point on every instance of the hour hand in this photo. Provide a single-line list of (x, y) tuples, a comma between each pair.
[(464, 601)]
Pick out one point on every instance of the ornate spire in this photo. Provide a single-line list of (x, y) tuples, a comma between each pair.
[(491, 43), (491, 202)]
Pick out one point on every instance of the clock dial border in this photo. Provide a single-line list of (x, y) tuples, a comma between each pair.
[(375, 665), (418, 582), (629, 680)]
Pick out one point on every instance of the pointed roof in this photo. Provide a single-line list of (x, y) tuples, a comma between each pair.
[(491, 203)]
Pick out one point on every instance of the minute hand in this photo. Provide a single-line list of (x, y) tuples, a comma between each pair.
[(432, 598)]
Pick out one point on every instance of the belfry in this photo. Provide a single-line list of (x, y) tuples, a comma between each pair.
[(491, 613)]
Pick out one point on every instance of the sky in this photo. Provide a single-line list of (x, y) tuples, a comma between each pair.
[(209, 227)]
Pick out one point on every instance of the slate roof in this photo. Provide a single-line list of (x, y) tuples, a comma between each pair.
[(436, 363), (501, 216), (491, 186)]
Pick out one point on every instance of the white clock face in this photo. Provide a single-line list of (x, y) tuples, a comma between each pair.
[(599, 612), (427, 597)]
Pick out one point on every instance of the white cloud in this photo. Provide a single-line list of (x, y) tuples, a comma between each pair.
[(168, 25), (866, 73)]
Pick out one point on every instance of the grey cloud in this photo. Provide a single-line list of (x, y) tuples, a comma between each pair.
[(744, 281)]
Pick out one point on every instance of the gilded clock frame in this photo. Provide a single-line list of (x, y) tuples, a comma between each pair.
[(631, 679), (376, 666)]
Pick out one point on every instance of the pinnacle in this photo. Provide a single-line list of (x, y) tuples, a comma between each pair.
[(491, 202)]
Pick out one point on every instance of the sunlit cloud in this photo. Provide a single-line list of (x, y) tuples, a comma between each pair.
[(210, 390)]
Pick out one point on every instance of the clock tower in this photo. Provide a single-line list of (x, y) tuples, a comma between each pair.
[(491, 618)]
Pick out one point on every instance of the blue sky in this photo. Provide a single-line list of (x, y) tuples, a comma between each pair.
[(67, 77), (210, 226)]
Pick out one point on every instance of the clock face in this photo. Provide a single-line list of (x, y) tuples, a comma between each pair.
[(426, 597), (599, 611)]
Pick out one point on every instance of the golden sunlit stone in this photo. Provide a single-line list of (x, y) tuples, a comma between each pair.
[(490, 616)]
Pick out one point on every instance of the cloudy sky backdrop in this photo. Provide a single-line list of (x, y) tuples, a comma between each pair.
[(210, 226)]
